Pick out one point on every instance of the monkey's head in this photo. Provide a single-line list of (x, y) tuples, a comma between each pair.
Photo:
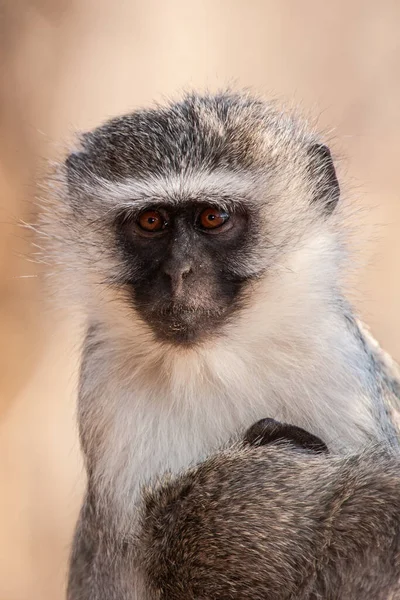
[(183, 212)]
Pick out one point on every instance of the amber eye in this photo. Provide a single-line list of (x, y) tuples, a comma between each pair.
[(152, 221), (212, 218)]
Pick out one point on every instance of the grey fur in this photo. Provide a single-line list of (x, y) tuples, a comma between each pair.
[(271, 522), (288, 347)]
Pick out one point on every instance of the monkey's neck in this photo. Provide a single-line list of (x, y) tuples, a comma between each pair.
[(145, 410)]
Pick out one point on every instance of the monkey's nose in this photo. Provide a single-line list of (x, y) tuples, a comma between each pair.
[(176, 274)]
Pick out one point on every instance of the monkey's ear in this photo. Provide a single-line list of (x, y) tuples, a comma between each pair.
[(268, 431), (326, 189)]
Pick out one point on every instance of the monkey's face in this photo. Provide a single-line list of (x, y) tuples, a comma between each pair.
[(185, 266), (183, 208)]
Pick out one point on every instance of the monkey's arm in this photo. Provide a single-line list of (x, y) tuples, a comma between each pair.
[(100, 564), (83, 556), (275, 522)]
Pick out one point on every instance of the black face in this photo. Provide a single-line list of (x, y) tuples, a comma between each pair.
[(185, 266)]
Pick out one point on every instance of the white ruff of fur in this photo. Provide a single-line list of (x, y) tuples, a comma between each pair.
[(156, 408)]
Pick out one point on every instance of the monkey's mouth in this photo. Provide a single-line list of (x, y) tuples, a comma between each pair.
[(183, 324)]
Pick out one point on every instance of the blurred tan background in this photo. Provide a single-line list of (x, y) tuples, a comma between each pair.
[(68, 64)]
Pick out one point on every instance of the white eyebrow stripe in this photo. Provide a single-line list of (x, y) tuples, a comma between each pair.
[(172, 188)]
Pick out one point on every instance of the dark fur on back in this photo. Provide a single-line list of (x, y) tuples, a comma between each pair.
[(276, 523)]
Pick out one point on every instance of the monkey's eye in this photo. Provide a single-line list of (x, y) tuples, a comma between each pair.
[(152, 221), (212, 218)]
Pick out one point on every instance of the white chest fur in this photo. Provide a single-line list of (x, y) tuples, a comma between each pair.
[(146, 408), (147, 412)]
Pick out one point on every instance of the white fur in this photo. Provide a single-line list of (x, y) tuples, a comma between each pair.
[(289, 356), (172, 188)]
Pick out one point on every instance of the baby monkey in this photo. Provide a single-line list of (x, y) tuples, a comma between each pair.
[(276, 517), (203, 244)]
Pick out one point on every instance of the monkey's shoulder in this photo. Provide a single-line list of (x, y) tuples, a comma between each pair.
[(385, 371)]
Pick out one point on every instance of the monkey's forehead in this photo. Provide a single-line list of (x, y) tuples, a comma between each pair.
[(208, 133)]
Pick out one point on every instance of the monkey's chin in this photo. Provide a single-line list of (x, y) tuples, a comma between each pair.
[(182, 335), (184, 338)]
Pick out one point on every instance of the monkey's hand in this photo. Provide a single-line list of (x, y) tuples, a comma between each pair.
[(268, 431)]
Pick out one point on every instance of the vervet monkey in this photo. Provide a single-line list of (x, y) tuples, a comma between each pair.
[(203, 243)]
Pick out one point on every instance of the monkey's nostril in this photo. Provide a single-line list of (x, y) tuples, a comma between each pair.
[(177, 274)]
